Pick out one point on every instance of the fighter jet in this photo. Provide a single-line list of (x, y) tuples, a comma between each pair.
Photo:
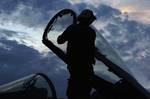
[(117, 83)]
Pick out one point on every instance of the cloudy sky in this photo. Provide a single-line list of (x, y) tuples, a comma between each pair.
[(125, 24)]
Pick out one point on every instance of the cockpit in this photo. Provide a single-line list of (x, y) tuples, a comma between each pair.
[(35, 86)]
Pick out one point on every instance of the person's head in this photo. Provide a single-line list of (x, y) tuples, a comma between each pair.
[(86, 17)]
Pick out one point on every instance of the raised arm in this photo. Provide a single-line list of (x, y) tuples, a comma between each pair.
[(65, 35)]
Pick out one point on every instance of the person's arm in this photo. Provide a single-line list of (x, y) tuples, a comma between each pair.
[(64, 36)]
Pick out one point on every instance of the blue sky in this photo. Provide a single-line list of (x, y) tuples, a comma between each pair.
[(125, 24)]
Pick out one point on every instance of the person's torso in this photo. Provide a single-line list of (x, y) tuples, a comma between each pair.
[(81, 44)]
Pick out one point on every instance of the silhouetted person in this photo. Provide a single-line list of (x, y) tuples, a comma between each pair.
[(80, 53), (80, 58)]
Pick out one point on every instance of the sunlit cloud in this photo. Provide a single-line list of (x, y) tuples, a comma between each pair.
[(136, 13), (126, 9), (31, 37), (137, 10)]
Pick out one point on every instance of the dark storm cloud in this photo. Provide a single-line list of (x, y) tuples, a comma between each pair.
[(105, 11), (129, 30), (31, 13), (8, 6)]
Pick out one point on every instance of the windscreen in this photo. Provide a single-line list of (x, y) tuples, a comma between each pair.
[(106, 49)]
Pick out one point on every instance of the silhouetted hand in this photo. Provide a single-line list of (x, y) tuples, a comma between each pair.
[(61, 39)]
